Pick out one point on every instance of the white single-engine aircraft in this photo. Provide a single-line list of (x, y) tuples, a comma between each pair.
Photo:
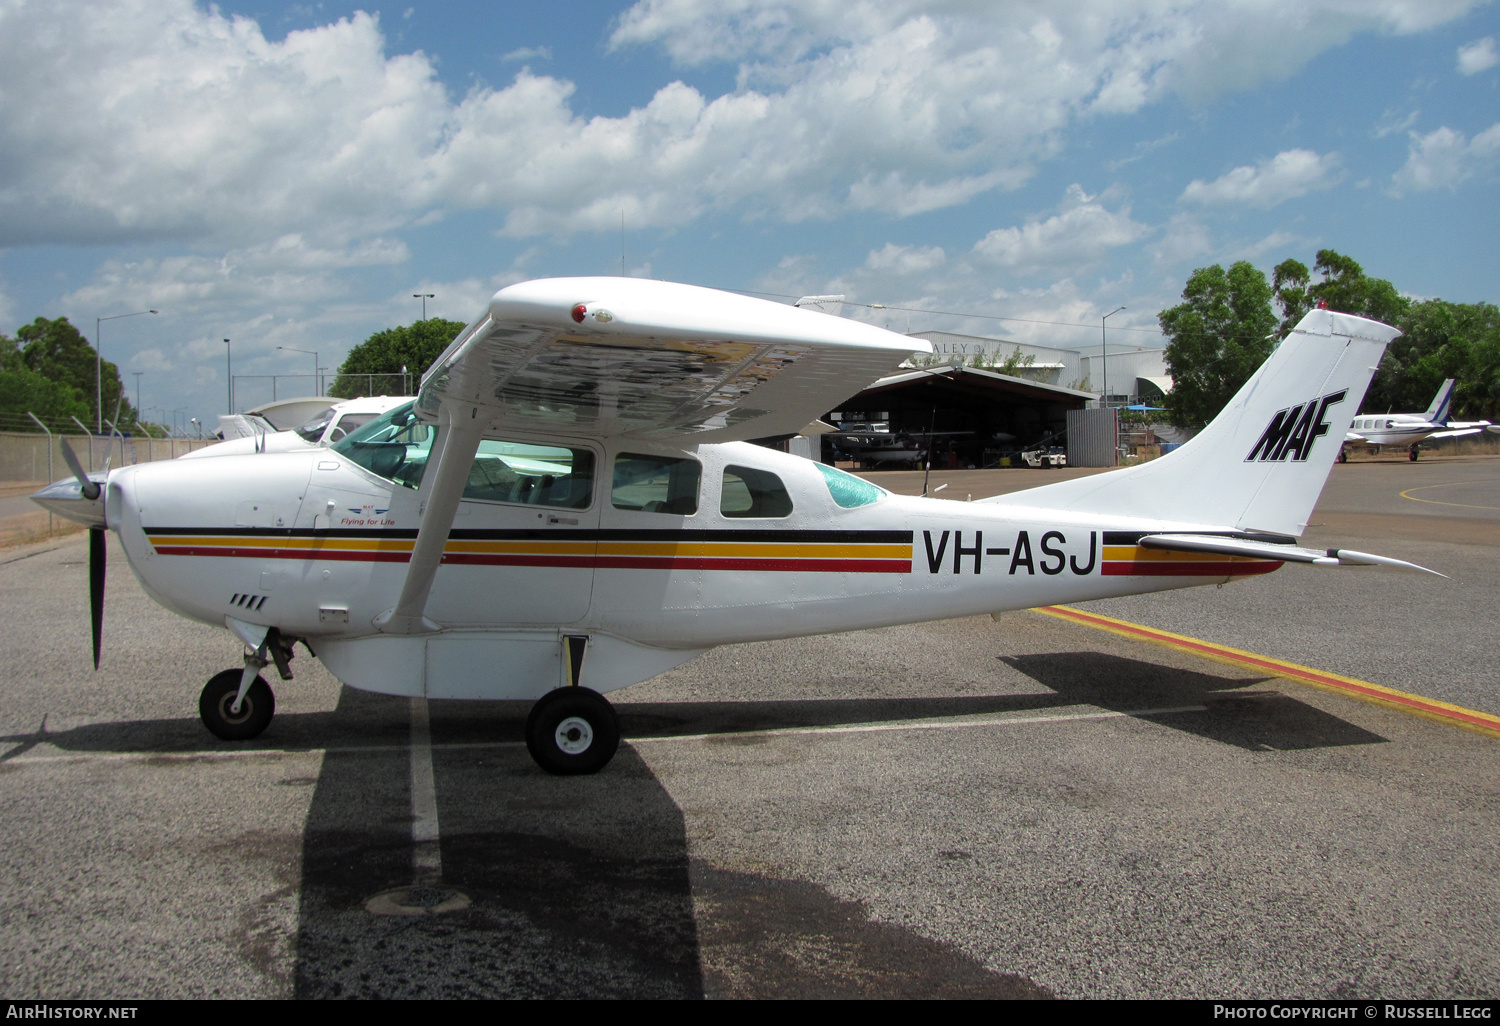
[(568, 507), (1411, 429)]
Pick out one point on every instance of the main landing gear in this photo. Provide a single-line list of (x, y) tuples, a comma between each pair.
[(572, 731), (1411, 453)]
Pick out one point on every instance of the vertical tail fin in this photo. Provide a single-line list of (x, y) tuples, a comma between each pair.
[(1442, 404), (1262, 462)]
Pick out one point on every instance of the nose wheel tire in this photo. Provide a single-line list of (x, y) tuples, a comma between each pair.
[(572, 731), (217, 700)]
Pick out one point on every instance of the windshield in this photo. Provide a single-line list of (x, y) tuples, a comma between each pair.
[(394, 446), (313, 430)]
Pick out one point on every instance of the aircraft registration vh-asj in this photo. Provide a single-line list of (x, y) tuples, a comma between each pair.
[(570, 506)]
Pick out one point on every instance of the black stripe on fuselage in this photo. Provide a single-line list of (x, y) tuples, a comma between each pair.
[(1134, 537), (558, 534)]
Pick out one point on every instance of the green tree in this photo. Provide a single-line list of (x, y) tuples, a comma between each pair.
[(414, 347), (1442, 340), (24, 391), (1216, 338), (57, 351), (1344, 286)]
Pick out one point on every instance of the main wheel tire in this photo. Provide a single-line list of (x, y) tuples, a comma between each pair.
[(1412, 454), (255, 712), (572, 731), (1343, 456)]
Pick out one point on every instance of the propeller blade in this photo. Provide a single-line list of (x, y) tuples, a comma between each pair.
[(96, 587), (90, 488)]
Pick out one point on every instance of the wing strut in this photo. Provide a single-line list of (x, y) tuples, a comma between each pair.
[(459, 434)]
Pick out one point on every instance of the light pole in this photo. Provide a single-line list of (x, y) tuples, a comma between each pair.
[(424, 297), (317, 384), (1104, 351), (229, 362), (99, 367), (137, 392)]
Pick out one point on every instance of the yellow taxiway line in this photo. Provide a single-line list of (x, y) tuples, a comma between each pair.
[(1434, 502), (1416, 705)]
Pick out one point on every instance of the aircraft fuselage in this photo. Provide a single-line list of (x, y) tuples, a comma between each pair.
[(315, 545)]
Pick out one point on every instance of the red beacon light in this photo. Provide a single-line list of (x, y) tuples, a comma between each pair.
[(580, 312), (1322, 304)]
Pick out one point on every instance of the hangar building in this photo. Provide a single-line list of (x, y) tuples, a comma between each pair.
[(973, 416)]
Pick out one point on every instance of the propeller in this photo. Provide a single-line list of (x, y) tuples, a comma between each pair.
[(90, 490)]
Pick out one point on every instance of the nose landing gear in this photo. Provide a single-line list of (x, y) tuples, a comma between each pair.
[(216, 706), (237, 705)]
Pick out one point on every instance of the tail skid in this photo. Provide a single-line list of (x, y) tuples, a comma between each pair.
[(1262, 463)]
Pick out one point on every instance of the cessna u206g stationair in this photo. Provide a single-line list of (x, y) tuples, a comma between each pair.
[(569, 507)]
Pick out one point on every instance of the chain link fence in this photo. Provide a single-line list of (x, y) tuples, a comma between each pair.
[(34, 459)]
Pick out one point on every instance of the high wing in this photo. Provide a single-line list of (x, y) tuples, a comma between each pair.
[(606, 357), (611, 357)]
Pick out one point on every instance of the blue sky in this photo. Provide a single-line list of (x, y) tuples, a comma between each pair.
[(289, 174)]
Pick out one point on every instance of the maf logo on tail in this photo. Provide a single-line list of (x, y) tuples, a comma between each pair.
[(1293, 431)]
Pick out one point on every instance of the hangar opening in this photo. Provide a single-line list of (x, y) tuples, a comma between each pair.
[(967, 417)]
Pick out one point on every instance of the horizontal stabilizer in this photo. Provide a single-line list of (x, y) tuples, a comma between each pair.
[(1271, 550)]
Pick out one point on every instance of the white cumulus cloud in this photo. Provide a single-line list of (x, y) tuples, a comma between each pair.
[(1444, 158), (191, 126), (1477, 56), (1082, 232), (1287, 175)]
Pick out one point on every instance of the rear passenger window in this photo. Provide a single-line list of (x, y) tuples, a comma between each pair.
[(753, 493), (656, 484)]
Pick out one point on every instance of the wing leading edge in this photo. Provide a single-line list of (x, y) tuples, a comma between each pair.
[(605, 357)]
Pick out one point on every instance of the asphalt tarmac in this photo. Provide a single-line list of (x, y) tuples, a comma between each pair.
[(1013, 808)]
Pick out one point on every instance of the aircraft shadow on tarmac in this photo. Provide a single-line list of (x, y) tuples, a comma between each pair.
[(1255, 720), (1249, 719), (585, 886), (581, 887)]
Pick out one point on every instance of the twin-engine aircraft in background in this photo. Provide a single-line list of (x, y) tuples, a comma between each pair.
[(1411, 429), (570, 506)]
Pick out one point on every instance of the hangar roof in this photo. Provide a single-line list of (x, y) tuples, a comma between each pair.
[(986, 380)]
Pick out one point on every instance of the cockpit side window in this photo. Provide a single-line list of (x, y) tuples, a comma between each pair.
[(396, 446), (752, 493), (533, 475), (656, 484)]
